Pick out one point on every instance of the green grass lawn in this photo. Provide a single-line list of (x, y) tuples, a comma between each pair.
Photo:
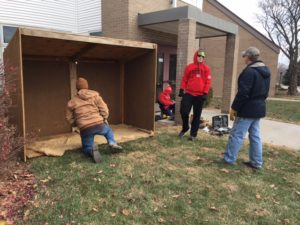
[(284, 110), (165, 180)]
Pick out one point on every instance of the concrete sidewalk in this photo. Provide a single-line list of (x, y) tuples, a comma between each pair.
[(272, 132), (283, 99)]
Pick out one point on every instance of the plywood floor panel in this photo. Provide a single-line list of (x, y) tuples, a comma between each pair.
[(57, 145)]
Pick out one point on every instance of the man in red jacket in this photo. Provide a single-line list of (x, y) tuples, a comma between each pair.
[(167, 104), (194, 87)]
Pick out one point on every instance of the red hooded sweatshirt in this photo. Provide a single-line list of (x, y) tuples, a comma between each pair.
[(196, 79), (165, 97)]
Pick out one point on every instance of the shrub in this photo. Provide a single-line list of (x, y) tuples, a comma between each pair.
[(10, 142)]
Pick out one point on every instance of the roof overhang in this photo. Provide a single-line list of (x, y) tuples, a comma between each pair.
[(43, 44), (167, 21)]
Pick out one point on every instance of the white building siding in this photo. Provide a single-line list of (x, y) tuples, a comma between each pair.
[(49, 14), (76, 16), (89, 16)]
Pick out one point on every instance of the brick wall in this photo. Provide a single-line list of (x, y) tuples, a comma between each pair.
[(115, 18), (146, 34), (120, 20)]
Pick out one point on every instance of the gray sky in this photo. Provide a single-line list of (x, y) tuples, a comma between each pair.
[(247, 10)]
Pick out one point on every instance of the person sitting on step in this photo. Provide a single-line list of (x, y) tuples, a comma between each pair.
[(166, 104)]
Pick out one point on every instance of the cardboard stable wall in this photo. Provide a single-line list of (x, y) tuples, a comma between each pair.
[(47, 64), (105, 77), (46, 91)]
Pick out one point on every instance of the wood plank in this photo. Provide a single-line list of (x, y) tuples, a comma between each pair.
[(50, 47), (75, 50), (83, 51), (65, 59), (122, 78), (84, 38), (13, 58), (22, 94), (73, 78), (45, 58)]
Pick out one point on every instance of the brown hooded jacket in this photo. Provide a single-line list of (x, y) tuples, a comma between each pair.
[(86, 109)]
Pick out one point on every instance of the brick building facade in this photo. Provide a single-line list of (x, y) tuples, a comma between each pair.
[(184, 29)]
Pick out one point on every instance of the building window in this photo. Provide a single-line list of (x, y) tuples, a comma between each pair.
[(160, 73), (8, 33)]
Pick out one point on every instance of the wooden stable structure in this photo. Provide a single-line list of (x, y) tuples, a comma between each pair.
[(47, 65)]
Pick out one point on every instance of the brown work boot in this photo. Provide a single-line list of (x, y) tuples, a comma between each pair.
[(96, 154)]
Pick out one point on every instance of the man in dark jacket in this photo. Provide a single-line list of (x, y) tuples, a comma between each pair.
[(194, 87), (247, 108)]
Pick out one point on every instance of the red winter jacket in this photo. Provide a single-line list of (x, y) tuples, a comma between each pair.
[(196, 79), (165, 97)]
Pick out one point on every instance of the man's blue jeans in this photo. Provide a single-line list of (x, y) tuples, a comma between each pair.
[(236, 139), (87, 137)]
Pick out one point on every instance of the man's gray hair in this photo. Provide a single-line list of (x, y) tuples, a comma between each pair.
[(252, 53)]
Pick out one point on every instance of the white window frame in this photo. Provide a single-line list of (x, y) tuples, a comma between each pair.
[(2, 44), (2, 32)]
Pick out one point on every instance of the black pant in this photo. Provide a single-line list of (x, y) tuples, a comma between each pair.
[(186, 104), (169, 111)]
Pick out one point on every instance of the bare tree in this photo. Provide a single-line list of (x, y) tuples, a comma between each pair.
[(281, 71), (281, 20)]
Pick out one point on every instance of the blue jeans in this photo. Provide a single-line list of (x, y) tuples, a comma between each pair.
[(236, 139), (87, 137)]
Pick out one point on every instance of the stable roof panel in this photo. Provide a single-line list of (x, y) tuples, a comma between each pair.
[(106, 52), (38, 46), (36, 43)]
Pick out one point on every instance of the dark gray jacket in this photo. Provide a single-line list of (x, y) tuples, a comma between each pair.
[(253, 89)]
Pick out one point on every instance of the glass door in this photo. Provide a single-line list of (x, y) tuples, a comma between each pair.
[(160, 74), (172, 73)]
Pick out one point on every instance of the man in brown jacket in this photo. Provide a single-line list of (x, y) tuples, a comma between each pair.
[(89, 113)]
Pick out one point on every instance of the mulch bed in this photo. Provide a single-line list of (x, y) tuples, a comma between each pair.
[(17, 189)]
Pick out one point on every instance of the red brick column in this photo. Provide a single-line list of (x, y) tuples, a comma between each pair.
[(230, 71), (187, 44)]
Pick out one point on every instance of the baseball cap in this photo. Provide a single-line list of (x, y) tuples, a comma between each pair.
[(251, 52)]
